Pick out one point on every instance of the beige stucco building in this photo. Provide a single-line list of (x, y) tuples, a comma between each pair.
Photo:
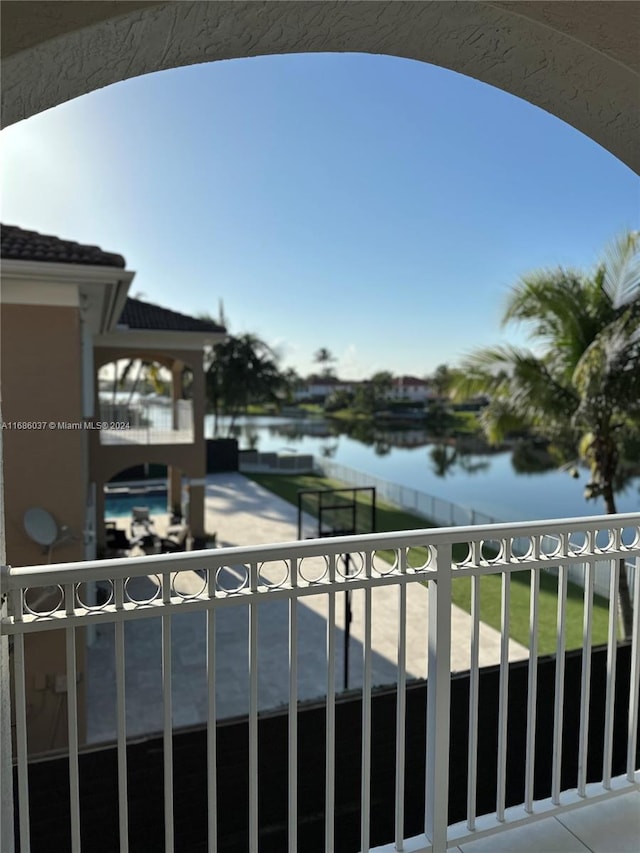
[(64, 313)]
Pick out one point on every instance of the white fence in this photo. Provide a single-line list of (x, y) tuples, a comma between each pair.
[(306, 573), (437, 510), (443, 512)]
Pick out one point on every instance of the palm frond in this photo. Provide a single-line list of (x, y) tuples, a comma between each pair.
[(621, 262)]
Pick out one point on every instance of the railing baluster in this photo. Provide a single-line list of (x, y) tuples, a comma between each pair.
[(72, 722), (401, 708), (253, 712), (212, 770), (167, 735), (21, 724), (330, 735), (293, 711), (474, 688), (365, 791), (585, 683), (558, 703), (504, 695), (438, 702), (612, 647), (532, 689), (121, 718), (634, 679)]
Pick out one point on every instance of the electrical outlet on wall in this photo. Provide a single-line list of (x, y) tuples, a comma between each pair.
[(60, 685)]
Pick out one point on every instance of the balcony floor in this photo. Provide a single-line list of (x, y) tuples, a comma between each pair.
[(610, 826)]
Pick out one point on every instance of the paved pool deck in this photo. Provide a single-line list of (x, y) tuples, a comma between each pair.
[(243, 513)]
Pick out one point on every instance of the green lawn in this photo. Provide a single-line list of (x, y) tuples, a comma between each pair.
[(389, 518)]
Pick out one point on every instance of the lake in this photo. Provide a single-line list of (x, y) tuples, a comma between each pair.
[(484, 482)]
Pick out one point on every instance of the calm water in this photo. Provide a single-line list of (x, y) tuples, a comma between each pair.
[(487, 483)]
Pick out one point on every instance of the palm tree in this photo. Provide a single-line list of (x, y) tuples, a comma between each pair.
[(580, 389), (147, 371), (441, 380), (325, 357), (243, 370)]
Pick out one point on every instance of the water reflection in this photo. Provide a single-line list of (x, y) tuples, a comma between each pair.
[(472, 475), (448, 458), (532, 457)]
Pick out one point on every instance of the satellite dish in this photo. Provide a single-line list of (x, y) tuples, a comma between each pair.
[(41, 526)]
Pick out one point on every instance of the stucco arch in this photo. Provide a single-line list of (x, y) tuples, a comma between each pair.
[(579, 61)]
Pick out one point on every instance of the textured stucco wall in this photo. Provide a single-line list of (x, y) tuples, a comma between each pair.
[(41, 381), (573, 59)]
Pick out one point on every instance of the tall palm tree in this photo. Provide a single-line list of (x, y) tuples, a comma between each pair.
[(581, 387), (243, 370)]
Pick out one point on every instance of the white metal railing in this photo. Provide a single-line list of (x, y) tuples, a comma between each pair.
[(157, 421), (299, 572)]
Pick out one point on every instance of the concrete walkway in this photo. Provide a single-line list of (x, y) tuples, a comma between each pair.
[(243, 513)]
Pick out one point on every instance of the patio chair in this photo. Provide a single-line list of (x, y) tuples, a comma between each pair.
[(141, 522)]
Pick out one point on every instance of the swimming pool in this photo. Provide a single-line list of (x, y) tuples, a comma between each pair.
[(119, 504)]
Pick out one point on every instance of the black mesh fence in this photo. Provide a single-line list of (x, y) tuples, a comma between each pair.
[(336, 512)]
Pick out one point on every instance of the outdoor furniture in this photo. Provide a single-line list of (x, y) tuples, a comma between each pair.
[(178, 534), (116, 543), (141, 522)]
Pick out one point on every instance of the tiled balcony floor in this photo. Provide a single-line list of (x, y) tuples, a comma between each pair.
[(610, 826)]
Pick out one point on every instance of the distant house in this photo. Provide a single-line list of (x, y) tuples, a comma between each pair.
[(410, 389), (318, 388)]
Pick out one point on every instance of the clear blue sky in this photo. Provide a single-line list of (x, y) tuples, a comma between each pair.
[(376, 206)]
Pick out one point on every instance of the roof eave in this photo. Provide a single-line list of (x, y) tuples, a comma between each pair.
[(158, 339)]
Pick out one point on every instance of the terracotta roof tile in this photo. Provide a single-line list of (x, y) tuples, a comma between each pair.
[(21, 245), (143, 315)]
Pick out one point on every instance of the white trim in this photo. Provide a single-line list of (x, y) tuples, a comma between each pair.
[(102, 291), (65, 273), (156, 339), (54, 294)]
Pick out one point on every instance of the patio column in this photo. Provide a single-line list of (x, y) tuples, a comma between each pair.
[(198, 395), (176, 392), (196, 511), (100, 509), (174, 490)]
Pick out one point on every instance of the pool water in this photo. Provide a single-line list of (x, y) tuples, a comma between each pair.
[(120, 505)]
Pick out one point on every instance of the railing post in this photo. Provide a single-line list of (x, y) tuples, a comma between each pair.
[(6, 763), (438, 702), (6, 769)]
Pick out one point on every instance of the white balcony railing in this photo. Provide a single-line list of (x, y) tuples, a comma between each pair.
[(300, 573), (157, 421)]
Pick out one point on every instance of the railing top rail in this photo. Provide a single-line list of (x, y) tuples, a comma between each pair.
[(22, 576)]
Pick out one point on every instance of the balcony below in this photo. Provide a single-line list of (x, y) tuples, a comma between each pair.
[(147, 421)]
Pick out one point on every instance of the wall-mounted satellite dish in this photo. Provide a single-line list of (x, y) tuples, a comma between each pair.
[(41, 526)]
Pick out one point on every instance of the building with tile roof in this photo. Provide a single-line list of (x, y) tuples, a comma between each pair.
[(65, 312), (137, 314), (21, 245)]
